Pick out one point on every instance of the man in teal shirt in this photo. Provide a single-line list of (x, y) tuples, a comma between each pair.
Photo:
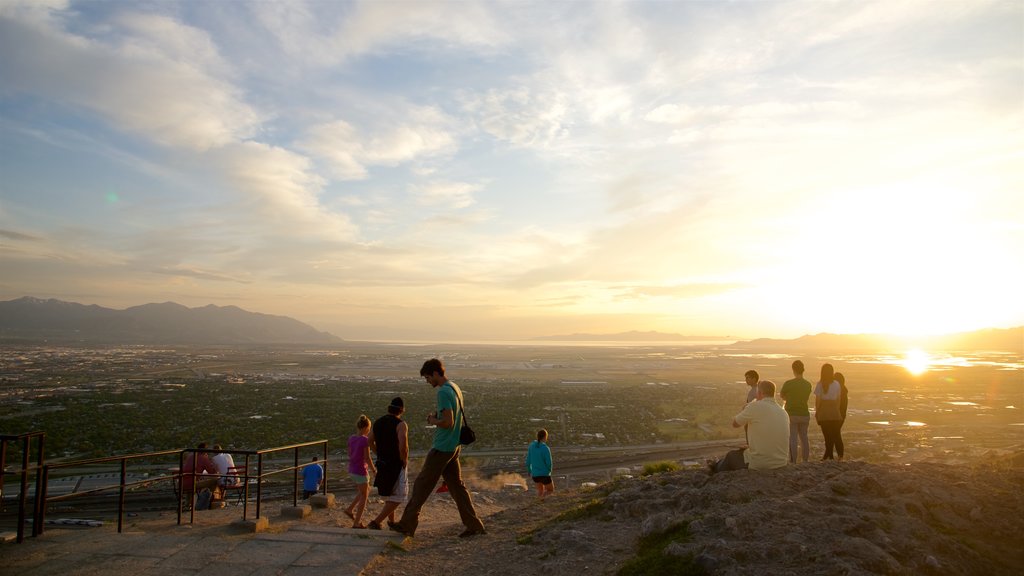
[(795, 393), (443, 458)]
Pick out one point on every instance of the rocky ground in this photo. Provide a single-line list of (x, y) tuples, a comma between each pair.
[(814, 518)]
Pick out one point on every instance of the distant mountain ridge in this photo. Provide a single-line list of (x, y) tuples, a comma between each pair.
[(633, 336), (993, 339), (34, 319)]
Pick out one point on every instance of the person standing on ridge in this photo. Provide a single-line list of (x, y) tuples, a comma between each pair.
[(827, 394), (538, 464), (844, 402), (389, 439), (443, 458), (752, 378), (795, 394)]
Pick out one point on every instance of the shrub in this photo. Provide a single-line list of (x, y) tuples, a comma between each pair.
[(659, 467)]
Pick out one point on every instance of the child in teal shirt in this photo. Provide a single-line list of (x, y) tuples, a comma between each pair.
[(538, 464)]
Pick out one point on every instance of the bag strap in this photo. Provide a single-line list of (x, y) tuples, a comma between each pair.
[(458, 397)]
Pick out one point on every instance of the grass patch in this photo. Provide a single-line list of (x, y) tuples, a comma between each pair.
[(650, 559), (524, 539), (659, 467), (395, 547), (582, 511)]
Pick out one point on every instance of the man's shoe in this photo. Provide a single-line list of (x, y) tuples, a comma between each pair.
[(373, 525), (396, 527), (472, 532)]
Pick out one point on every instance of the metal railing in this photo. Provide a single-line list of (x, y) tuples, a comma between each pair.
[(122, 486), (176, 476), (43, 471), (26, 468)]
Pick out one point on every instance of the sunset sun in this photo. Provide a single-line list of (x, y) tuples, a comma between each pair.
[(916, 362)]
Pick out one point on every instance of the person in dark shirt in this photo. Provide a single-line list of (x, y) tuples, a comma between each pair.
[(389, 440), (752, 378), (844, 401)]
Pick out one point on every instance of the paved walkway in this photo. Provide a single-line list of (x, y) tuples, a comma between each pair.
[(213, 545)]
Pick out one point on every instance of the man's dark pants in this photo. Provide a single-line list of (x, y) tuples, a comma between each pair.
[(437, 465), (733, 460)]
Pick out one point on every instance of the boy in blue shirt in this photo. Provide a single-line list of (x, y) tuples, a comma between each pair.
[(312, 476)]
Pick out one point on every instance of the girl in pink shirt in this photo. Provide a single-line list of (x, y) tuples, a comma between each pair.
[(359, 462)]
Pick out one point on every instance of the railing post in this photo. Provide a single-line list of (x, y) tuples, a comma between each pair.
[(245, 489), (42, 501), (24, 488), (181, 485), (295, 480), (120, 495), (324, 490), (259, 484), (37, 523), (3, 469), (192, 495)]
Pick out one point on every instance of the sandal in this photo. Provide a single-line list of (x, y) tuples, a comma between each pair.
[(359, 526)]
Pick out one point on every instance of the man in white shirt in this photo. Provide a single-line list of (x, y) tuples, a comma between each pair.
[(768, 440), (223, 461)]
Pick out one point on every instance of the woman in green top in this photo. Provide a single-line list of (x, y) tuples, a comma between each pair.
[(795, 393)]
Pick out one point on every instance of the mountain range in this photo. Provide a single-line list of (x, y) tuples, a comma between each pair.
[(56, 321), (994, 339), (633, 336)]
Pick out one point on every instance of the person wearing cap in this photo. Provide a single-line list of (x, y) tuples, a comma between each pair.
[(389, 440), (443, 459)]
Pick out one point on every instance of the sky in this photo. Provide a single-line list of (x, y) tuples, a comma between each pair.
[(472, 171)]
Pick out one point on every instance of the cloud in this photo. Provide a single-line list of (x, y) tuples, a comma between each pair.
[(350, 152), (522, 116), (282, 189), (326, 34), (12, 235), (154, 77), (199, 274), (679, 291), (454, 195)]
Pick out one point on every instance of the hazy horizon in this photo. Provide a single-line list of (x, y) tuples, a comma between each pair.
[(463, 171), (901, 343)]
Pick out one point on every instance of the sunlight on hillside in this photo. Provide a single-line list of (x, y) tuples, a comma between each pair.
[(916, 362)]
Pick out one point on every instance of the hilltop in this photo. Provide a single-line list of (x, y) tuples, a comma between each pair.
[(811, 518)]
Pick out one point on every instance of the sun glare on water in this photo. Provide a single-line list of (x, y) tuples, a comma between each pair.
[(916, 362)]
